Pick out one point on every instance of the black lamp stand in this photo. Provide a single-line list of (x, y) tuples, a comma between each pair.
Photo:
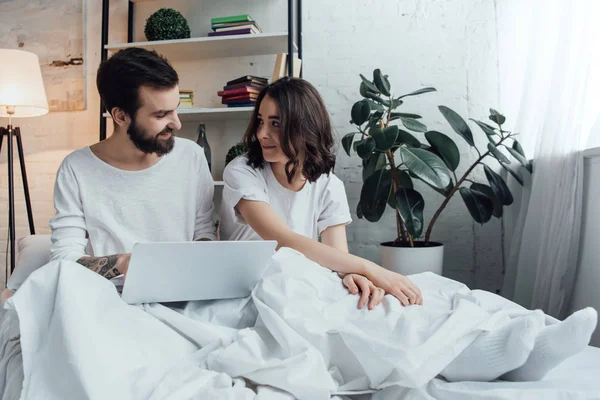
[(11, 132)]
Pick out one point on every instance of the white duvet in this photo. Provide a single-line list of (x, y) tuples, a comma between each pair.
[(300, 335)]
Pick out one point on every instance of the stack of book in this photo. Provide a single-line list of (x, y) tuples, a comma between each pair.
[(186, 99), (234, 25), (242, 92)]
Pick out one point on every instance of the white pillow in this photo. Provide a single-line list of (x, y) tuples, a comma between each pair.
[(33, 252)]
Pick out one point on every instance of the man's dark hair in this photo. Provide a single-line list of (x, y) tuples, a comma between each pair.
[(305, 125), (120, 77)]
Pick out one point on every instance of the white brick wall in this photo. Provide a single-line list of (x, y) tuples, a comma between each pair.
[(450, 45), (447, 44)]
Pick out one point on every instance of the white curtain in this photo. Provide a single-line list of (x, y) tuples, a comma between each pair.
[(549, 74)]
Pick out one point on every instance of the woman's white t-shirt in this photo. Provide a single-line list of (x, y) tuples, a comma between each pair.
[(308, 212)]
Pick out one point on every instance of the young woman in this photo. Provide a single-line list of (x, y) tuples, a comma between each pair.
[(284, 189)]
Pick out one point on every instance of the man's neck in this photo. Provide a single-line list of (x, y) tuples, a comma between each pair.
[(120, 152)]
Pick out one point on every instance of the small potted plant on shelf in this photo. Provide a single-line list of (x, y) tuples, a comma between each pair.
[(393, 159)]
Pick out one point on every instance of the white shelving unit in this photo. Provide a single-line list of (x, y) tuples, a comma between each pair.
[(202, 48), (214, 47), (211, 114)]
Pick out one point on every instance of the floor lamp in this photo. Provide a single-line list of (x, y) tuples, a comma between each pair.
[(22, 94)]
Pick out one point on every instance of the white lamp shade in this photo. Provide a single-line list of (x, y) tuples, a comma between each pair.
[(21, 84)]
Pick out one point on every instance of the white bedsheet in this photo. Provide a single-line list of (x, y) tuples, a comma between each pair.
[(299, 335)]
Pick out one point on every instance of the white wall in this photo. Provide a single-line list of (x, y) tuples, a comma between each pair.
[(447, 44), (585, 292)]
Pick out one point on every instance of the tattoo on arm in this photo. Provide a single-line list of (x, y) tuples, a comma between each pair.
[(104, 266)]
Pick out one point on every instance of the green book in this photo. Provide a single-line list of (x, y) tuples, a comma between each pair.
[(233, 18)]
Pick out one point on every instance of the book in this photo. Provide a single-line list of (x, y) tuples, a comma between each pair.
[(243, 90), (245, 24), (236, 100), (249, 104), (252, 28), (231, 18), (249, 78), (185, 104), (243, 85), (280, 69), (235, 32)]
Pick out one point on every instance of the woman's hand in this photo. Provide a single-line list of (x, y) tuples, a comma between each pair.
[(356, 283), (395, 284)]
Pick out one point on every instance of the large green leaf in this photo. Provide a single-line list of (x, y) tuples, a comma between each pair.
[(518, 156), (404, 181), (396, 103), (489, 130), (458, 124), (497, 117), (396, 115), (410, 205), (370, 86), (365, 147), (375, 106), (374, 120), (376, 162), (498, 155), (444, 192), (417, 92), (374, 194), (479, 205), (347, 141), (514, 174), (359, 212), (517, 146), (381, 81), (360, 112), (384, 138), (365, 92), (446, 148), (407, 139), (413, 124), (499, 187), (426, 166), (391, 134), (485, 189)]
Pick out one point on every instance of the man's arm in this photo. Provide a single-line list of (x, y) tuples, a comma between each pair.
[(107, 266)]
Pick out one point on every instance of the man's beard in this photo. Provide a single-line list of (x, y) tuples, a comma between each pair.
[(151, 143)]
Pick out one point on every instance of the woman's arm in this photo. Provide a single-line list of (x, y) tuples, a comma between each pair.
[(335, 236), (267, 224)]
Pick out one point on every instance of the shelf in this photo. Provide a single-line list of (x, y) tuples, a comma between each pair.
[(214, 47), (211, 114)]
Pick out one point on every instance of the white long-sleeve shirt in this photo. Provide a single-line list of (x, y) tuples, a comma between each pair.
[(170, 201)]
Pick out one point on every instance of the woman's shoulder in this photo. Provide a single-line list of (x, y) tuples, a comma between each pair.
[(239, 167), (329, 181)]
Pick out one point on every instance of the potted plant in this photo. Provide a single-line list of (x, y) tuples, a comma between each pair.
[(393, 159)]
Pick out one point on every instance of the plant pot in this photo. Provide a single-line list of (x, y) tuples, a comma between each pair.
[(406, 260)]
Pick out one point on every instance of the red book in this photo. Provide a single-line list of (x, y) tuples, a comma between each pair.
[(235, 100), (243, 85), (241, 96), (233, 92)]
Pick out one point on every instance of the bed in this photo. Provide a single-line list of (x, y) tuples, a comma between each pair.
[(240, 348)]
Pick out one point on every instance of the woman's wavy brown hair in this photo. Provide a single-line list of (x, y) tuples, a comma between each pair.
[(306, 129)]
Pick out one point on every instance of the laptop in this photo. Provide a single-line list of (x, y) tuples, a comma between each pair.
[(206, 270)]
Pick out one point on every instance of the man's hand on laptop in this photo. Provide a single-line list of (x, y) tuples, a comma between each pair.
[(107, 266)]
